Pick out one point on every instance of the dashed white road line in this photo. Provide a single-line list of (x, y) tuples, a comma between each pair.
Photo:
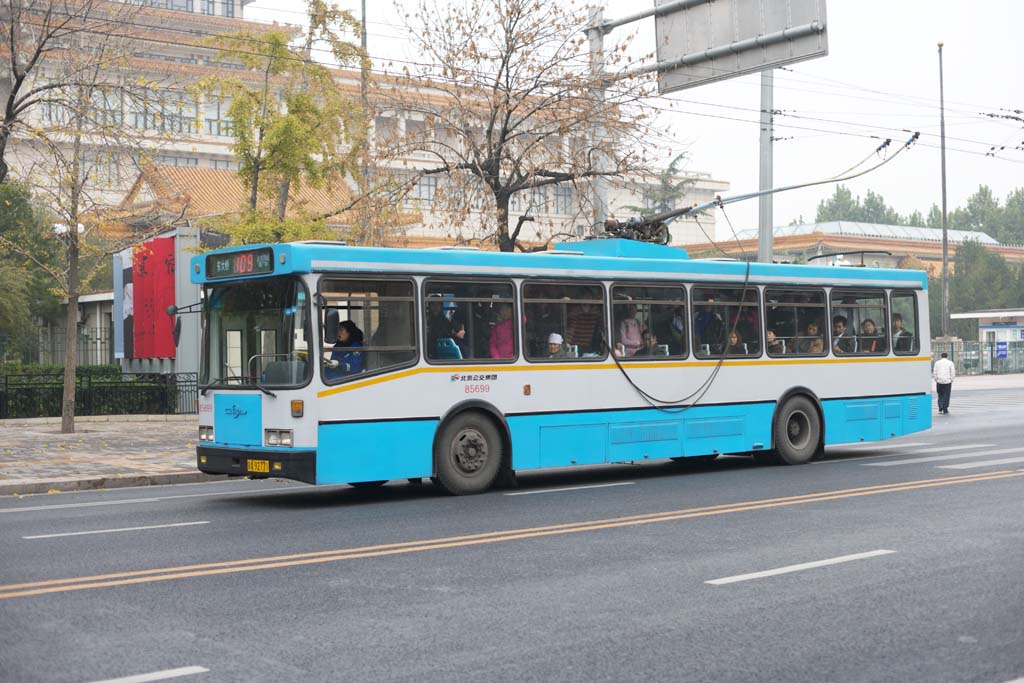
[(158, 675), (137, 501), (113, 531), (983, 463), (799, 567), (940, 458), (881, 444), (571, 488)]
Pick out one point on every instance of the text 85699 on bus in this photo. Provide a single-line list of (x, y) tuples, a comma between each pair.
[(332, 364)]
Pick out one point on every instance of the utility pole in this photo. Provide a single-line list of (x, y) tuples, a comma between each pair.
[(596, 30), (764, 203), (945, 241)]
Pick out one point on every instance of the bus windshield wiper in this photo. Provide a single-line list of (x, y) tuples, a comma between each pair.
[(228, 378)]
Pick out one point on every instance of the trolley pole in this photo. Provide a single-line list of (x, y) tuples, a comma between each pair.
[(945, 240), (765, 208)]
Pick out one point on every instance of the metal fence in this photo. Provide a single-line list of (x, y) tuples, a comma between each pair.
[(981, 358), (99, 393)]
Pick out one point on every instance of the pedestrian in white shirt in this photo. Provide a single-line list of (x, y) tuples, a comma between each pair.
[(943, 373)]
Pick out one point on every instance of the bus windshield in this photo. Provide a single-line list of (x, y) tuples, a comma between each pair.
[(256, 333)]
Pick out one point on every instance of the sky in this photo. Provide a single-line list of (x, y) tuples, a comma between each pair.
[(881, 76)]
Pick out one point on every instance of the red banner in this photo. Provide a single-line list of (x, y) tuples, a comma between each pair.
[(153, 282)]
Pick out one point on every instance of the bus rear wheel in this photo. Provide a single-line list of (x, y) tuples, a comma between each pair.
[(797, 431), (468, 454)]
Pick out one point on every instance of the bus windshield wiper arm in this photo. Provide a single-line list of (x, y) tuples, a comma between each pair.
[(202, 389), (266, 391)]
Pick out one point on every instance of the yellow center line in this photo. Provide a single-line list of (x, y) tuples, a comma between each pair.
[(337, 555)]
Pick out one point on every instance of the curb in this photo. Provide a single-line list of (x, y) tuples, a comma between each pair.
[(116, 482), (89, 419)]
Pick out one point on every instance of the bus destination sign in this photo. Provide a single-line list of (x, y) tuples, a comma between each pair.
[(252, 262)]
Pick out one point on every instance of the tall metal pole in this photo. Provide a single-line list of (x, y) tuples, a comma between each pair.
[(599, 183), (764, 203), (945, 241)]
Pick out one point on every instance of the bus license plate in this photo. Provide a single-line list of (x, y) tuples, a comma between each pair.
[(258, 466)]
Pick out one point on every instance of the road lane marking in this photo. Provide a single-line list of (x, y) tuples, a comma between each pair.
[(127, 501), (983, 463), (337, 555), (158, 675), (799, 567), (881, 444), (571, 488), (858, 459), (112, 531), (943, 458)]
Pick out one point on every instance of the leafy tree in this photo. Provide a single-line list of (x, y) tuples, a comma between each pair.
[(506, 97), (981, 279), (291, 121), (1013, 219), (255, 228), (669, 187)]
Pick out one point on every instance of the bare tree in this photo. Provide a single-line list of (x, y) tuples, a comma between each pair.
[(504, 104), (69, 85)]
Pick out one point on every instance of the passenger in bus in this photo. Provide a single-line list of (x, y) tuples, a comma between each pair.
[(438, 325), (630, 331), (503, 343), (842, 340), (556, 347), (344, 361), (902, 340), (736, 346), (774, 345), (583, 327), (812, 342), (709, 328), (677, 331), (870, 340), (650, 346), (459, 336)]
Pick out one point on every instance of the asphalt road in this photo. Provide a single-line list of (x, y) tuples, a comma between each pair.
[(897, 562)]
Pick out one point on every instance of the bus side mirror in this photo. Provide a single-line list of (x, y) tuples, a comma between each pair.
[(177, 332), (332, 321)]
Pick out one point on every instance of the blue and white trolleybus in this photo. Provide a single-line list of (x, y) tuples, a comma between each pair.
[(329, 364)]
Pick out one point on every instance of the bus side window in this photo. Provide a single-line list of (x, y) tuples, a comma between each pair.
[(570, 312), (722, 323), (469, 320), (383, 312), (649, 321), (795, 321), (859, 319), (903, 327)]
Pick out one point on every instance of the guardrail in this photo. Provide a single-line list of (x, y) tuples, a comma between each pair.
[(982, 358), (41, 395)]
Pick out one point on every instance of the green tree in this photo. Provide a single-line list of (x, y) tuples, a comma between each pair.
[(291, 121), (1013, 219), (982, 279), (875, 210), (669, 187), (841, 206)]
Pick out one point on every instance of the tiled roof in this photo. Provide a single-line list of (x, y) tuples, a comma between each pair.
[(212, 192)]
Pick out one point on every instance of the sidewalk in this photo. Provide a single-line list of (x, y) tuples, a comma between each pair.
[(141, 450), (104, 452)]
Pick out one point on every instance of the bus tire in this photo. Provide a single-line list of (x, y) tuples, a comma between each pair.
[(468, 453), (367, 484), (797, 431)]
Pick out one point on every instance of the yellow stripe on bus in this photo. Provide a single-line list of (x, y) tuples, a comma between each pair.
[(493, 369)]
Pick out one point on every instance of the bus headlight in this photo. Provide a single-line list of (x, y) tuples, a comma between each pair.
[(205, 432), (278, 437)]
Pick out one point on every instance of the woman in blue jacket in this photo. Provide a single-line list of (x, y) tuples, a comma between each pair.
[(344, 359)]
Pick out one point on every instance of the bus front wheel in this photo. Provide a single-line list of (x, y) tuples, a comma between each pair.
[(468, 454), (797, 431)]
